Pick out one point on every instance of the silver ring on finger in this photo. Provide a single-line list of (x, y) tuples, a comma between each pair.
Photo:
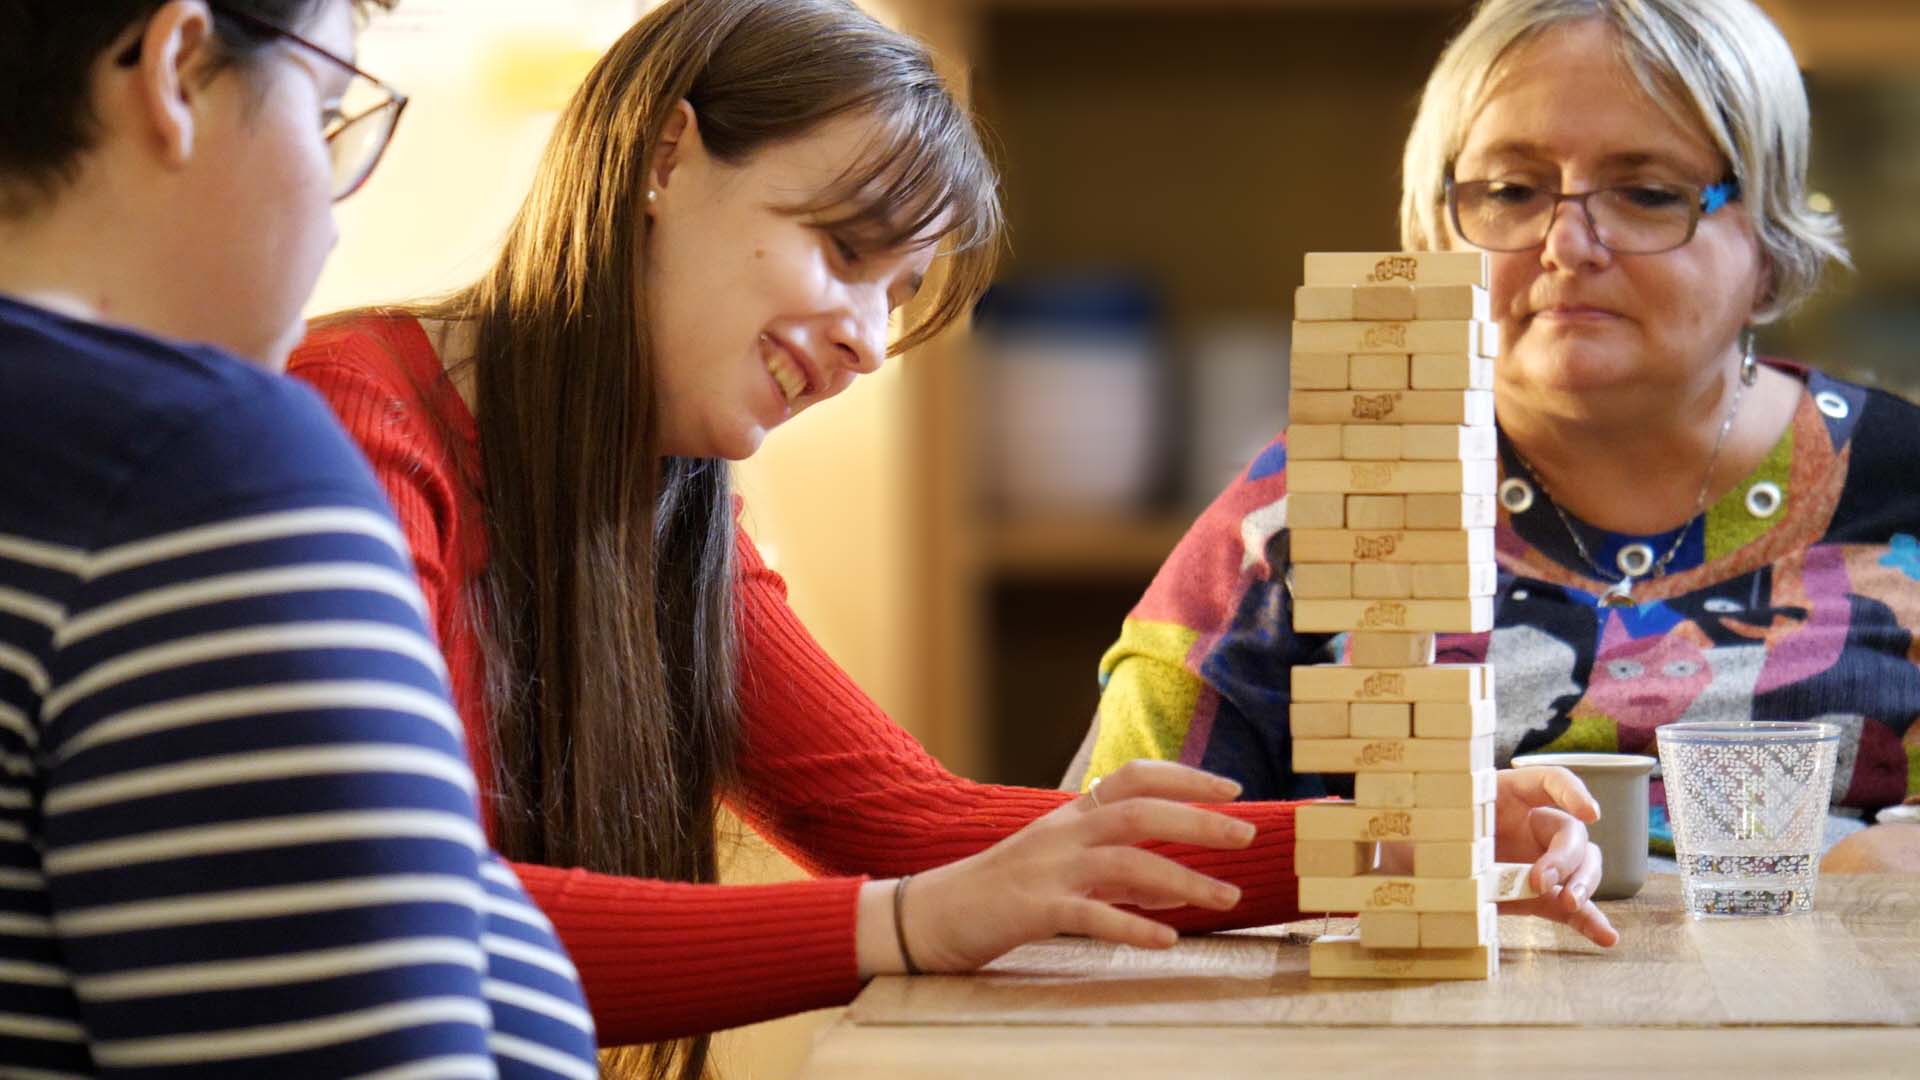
[(1093, 791)]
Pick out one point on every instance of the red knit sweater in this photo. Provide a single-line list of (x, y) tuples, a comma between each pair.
[(824, 775)]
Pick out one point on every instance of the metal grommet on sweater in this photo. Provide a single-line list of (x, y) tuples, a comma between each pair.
[(1516, 495), (1764, 499), (1635, 560), (1832, 404)]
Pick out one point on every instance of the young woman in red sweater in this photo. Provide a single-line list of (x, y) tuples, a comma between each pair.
[(732, 206)]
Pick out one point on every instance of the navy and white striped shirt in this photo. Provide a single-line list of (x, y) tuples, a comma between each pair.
[(237, 822)]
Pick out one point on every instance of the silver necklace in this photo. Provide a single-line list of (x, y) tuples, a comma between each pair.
[(1620, 593)]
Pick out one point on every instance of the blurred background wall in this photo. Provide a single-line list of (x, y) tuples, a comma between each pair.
[(964, 531)]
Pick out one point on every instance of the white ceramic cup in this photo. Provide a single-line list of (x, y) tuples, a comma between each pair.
[(1619, 785)]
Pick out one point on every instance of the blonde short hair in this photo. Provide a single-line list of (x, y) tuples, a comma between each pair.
[(1719, 66)]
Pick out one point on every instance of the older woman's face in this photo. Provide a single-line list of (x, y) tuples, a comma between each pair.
[(1567, 115)]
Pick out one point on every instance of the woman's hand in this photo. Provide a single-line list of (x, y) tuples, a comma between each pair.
[(1542, 813), (1065, 872)]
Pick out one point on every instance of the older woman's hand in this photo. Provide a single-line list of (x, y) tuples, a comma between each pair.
[(1542, 817)]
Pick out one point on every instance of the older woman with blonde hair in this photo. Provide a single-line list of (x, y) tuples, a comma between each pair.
[(1687, 531)]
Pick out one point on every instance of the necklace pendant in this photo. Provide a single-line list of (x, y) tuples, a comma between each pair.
[(1619, 595)]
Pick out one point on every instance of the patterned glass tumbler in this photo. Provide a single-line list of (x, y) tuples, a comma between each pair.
[(1748, 803)]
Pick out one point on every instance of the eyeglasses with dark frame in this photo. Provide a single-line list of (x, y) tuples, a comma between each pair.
[(358, 132), (1627, 219)]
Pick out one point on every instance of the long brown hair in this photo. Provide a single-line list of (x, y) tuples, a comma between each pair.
[(605, 612)]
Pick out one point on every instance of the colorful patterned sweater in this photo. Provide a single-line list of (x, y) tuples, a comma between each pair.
[(1807, 612)]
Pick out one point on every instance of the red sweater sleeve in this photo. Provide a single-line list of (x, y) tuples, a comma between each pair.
[(828, 778)]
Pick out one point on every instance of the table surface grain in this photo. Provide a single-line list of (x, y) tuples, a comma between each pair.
[(1835, 991)]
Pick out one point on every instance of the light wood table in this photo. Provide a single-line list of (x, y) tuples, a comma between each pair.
[(1832, 992)]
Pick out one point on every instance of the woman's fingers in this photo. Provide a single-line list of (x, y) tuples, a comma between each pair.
[(1161, 780), (1592, 923), (1584, 881), (1563, 839), (1551, 785), (1138, 820), (1149, 879), (1104, 922)]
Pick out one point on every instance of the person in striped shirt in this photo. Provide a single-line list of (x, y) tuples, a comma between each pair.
[(238, 828)]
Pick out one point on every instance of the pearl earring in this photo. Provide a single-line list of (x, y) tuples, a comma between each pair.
[(652, 196)]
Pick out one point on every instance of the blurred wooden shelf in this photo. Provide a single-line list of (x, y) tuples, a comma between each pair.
[(1080, 547)]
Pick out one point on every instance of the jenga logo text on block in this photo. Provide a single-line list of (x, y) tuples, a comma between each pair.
[(1372, 476), (1401, 267), (1375, 547), (1390, 825), (1392, 894), (1375, 406), (1386, 336), (1384, 684), (1383, 753), (1384, 616)]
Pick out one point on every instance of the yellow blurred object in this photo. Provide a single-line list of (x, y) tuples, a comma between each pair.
[(534, 72)]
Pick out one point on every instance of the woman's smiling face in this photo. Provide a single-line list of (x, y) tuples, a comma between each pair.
[(756, 312)]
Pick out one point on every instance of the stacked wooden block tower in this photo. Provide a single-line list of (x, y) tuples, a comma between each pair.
[(1391, 474)]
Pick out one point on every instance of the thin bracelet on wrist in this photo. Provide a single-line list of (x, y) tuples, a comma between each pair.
[(900, 923)]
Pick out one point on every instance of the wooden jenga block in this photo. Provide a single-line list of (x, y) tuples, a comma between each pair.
[(1346, 957), (1437, 682), (1387, 513), (1318, 719), (1449, 442), (1394, 790), (1312, 405), (1511, 880), (1333, 858), (1451, 302), (1392, 755), (1397, 267), (1382, 581), (1370, 442), (1341, 819), (1452, 719), (1473, 616), (1366, 650), (1453, 858), (1323, 303), (1442, 581), (1443, 336), (1453, 788), (1377, 371), (1383, 303), (1402, 546), (1459, 929), (1317, 510), (1452, 511), (1381, 720), (1319, 371), (1449, 371), (1391, 929), (1345, 821), (1322, 581), (1381, 892), (1395, 477), (1314, 442)]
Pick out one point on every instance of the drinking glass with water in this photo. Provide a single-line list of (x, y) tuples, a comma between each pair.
[(1748, 803)]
